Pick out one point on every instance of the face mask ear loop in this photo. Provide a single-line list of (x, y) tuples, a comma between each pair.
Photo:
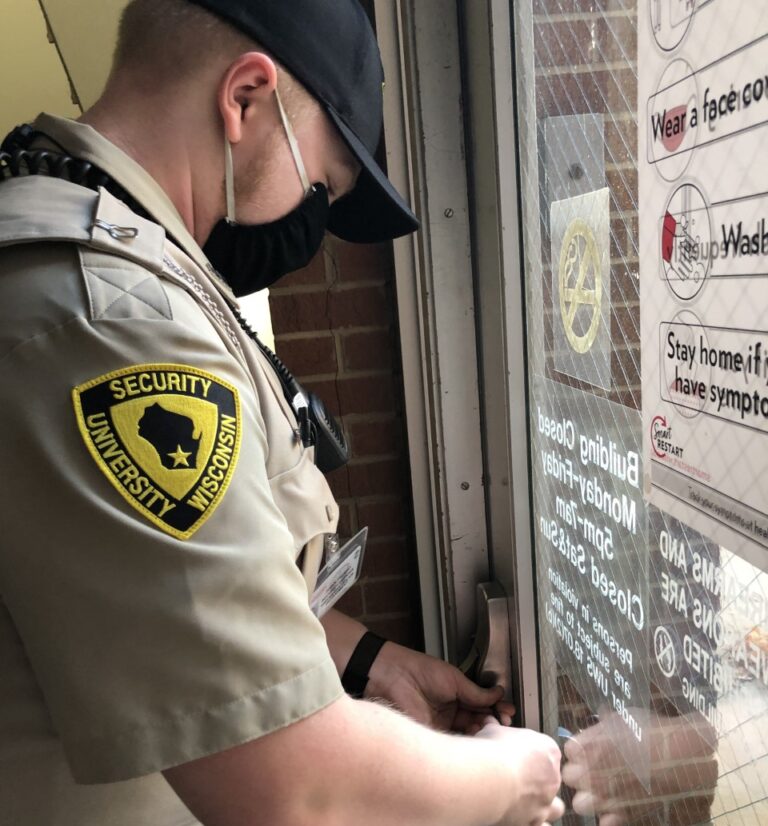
[(229, 181), (294, 144)]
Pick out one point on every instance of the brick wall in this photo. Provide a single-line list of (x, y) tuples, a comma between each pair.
[(336, 328)]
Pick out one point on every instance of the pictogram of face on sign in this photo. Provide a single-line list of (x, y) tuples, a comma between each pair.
[(581, 286)]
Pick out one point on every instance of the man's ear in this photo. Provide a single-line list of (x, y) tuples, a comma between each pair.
[(249, 81)]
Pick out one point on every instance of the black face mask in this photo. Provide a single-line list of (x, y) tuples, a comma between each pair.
[(252, 258)]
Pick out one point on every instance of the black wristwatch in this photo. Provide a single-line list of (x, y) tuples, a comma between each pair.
[(355, 677)]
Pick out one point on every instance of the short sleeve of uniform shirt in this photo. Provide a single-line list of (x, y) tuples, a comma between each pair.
[(150, 650)]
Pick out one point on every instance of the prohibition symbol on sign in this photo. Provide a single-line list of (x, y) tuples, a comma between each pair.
[(581, 286), (665, 651)]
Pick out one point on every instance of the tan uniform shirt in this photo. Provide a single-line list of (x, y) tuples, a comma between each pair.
[(154, 501)]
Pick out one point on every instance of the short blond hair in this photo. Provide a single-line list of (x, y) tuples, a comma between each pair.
[(174, 40)]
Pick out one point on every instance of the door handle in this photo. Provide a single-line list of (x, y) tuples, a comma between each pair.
[(490, 661)]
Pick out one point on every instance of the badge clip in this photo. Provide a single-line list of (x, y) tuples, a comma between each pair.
[(340, 572)]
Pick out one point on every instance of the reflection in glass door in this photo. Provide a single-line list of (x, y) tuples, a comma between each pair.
[(653, 635)]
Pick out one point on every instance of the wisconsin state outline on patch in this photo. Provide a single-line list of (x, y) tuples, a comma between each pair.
[(167, 437)]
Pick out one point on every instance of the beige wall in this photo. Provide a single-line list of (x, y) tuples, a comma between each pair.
[(34, 79), (86, 31)]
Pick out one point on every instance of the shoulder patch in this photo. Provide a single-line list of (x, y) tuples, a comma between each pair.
[(166, 436)]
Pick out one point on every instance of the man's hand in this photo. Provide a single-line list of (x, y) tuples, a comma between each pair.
[(535, 760), (602, 765), (434, 693), (378, 768), (426, 689)]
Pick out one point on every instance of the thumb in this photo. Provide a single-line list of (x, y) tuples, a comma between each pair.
[(471, 695), (489, 728)]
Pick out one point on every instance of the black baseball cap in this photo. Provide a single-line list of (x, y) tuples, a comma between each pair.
[(330, 47)]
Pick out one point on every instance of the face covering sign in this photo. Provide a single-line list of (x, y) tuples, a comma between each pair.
[(703, 124)]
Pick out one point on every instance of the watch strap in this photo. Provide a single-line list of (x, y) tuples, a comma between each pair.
[(355, 677)]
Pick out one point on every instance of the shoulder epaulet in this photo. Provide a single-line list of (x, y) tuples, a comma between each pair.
[(35, 209)]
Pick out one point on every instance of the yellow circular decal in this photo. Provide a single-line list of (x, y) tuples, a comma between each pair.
[(579, 268)]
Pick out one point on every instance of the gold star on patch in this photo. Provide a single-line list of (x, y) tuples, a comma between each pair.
[(180, 457)]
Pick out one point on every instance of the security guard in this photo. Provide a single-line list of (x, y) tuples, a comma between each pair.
[(160, 663)]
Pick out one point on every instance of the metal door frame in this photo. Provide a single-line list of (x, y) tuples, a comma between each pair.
[(420, 42), (463, 347), (491, 84)]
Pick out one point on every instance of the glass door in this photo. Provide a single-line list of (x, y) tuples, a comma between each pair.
[(644, 259)]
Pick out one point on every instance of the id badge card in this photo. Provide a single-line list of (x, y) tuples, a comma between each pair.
[(340, 572)]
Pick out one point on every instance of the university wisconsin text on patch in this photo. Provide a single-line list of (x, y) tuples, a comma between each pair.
[(167, 436)]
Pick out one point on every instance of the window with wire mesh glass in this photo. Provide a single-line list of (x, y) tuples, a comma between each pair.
[(699, 753)]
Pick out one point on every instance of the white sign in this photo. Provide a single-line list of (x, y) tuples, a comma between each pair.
[(703, 108)]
